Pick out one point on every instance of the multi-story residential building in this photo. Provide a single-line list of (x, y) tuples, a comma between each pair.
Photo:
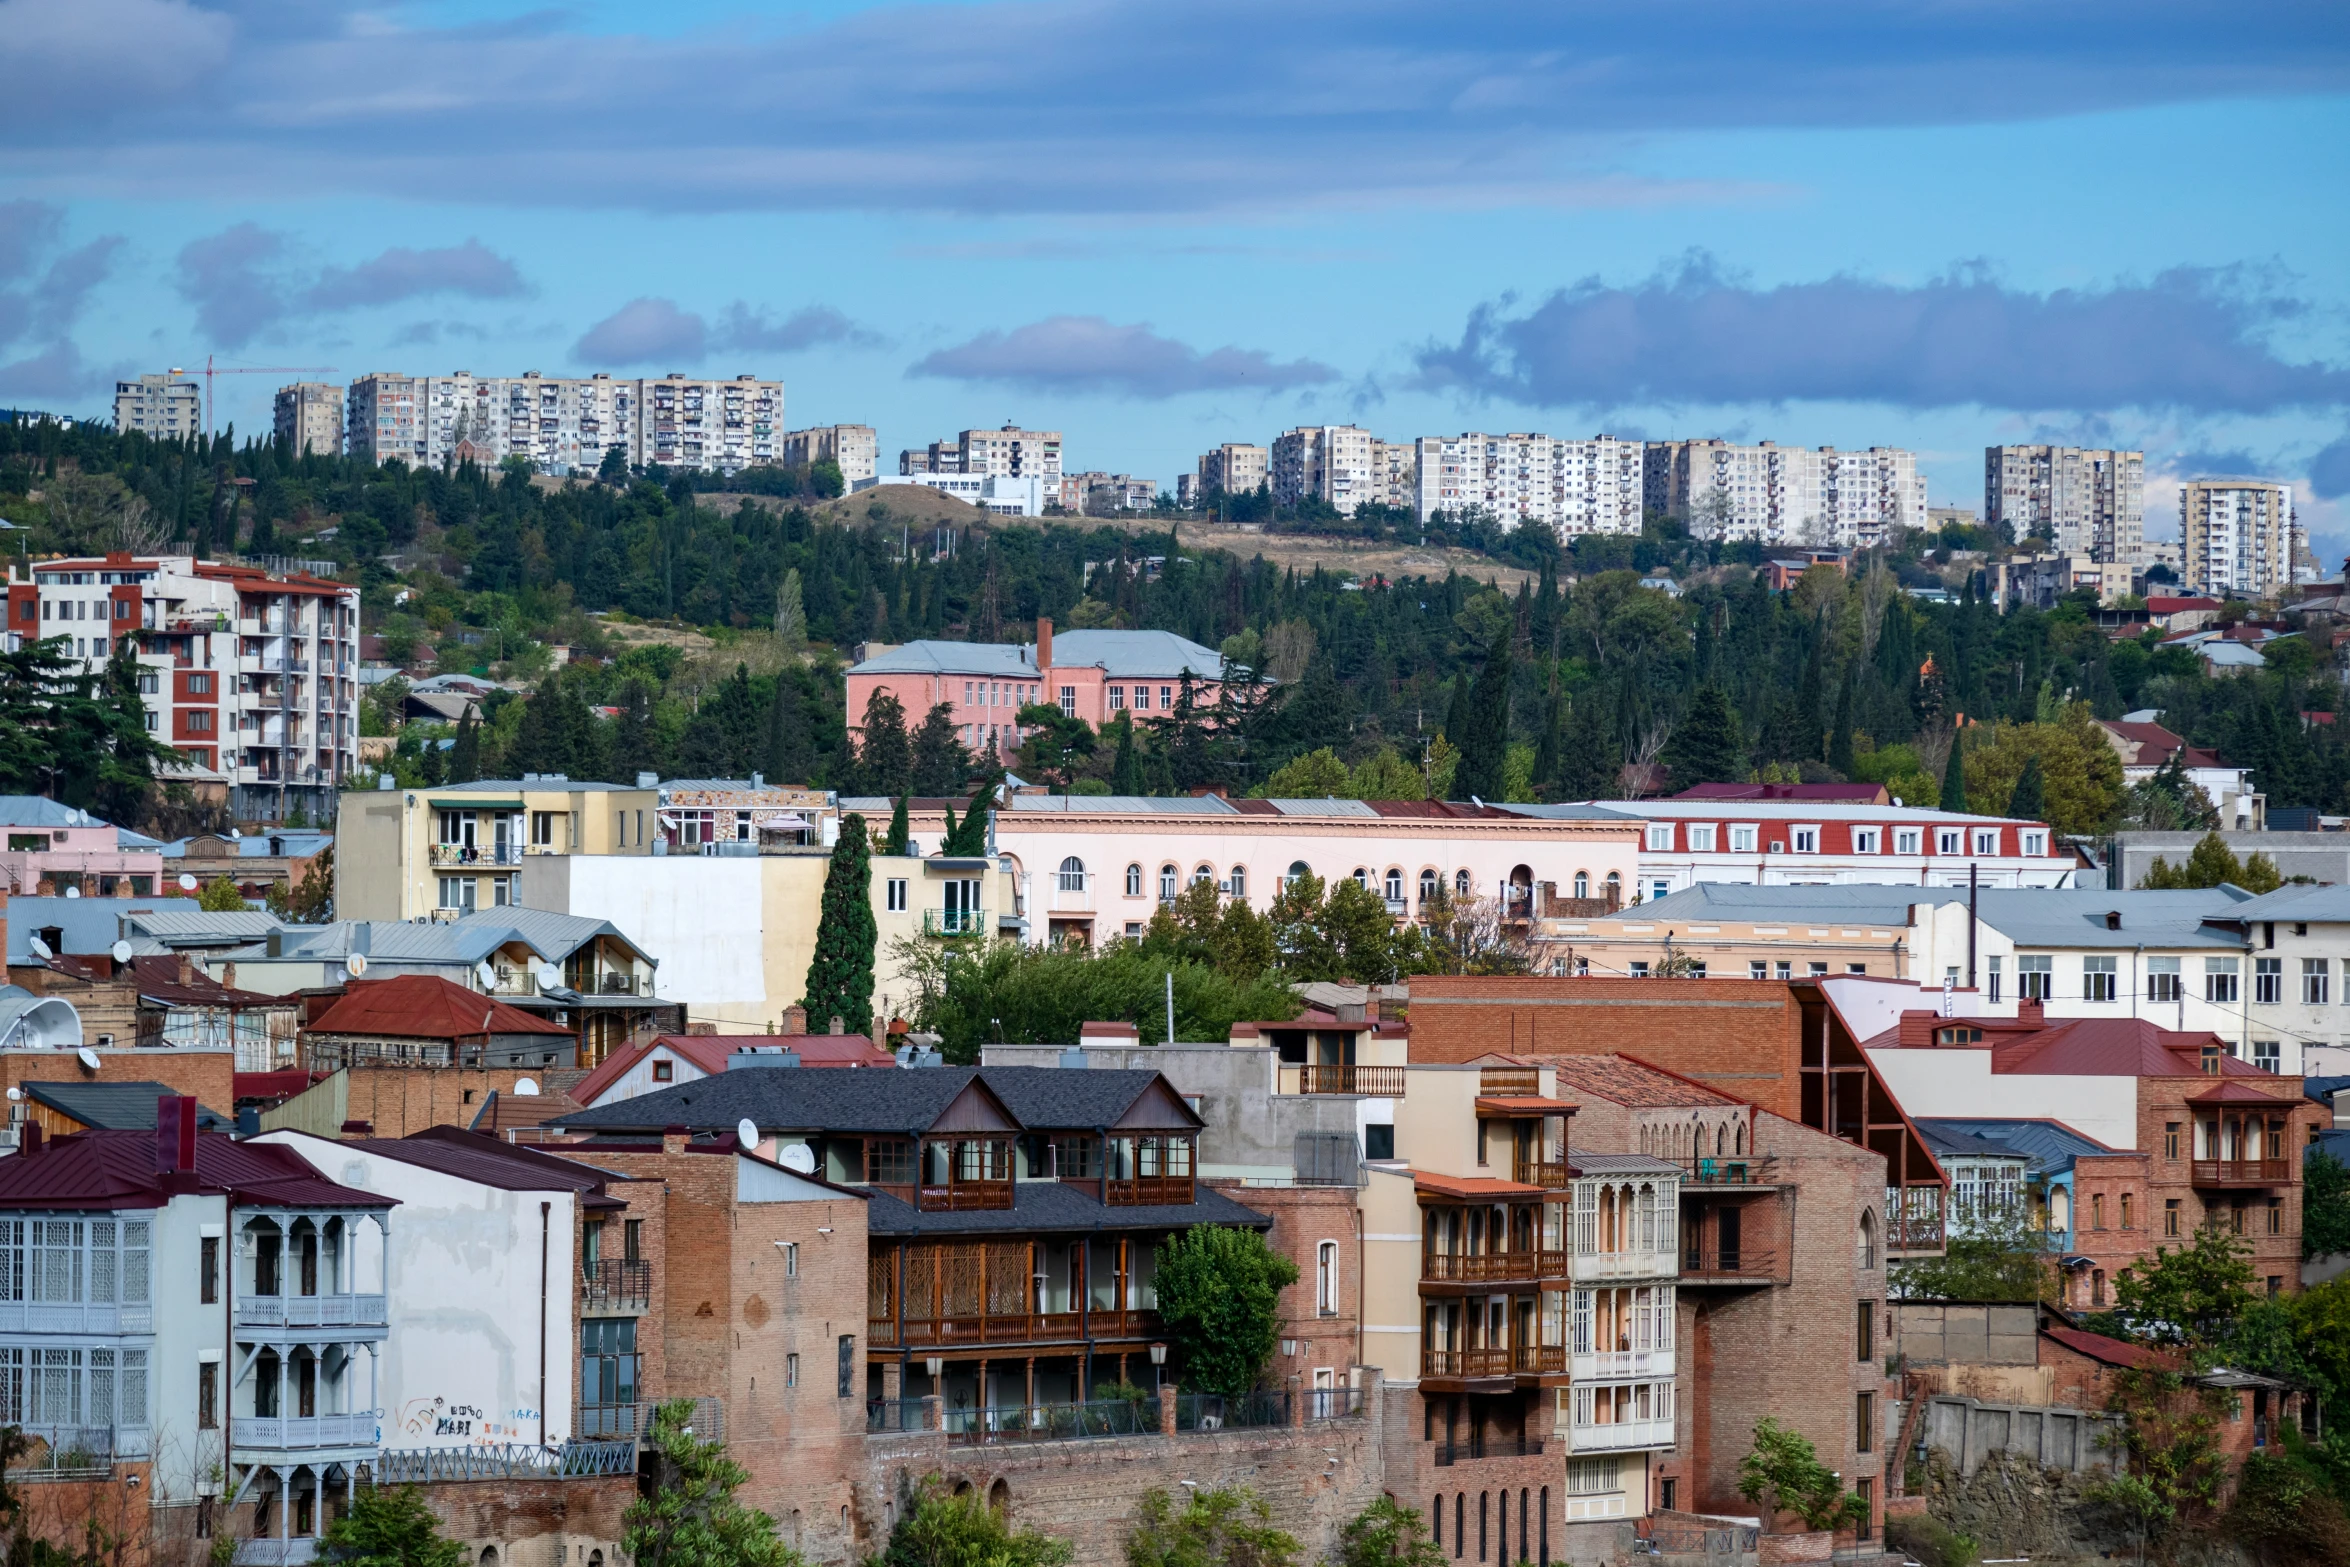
[(1089, 868), (250, 671), (2240, 537), (566, 424), (1105, 494), (163, 406), (2040, 1173), (1572, 487), (1234, 468), (1341, 464), (53, 847), (409, 853), (853, 447), (2042, 581), (2297, 945), (2146, 748), (1093, 675), (1010, 452), (308, 419), (2083, 501), (1787, 494)]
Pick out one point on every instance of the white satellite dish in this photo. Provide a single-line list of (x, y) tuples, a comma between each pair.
[(355, 965), (73, 892), (15, 1093), (487, 975), (746, 1134), (89, 1058), (187, 882), (121, 951), (550, 977), (798, 1160), (39, 947), (525, 1087)]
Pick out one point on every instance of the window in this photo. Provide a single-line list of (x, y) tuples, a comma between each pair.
[(632, 1240), (1072, 874), (897, 894), (1783, 970), (2316, 981), (791, 1259), (1238, 885), (2162, 979), (2097, 1287), (1946, 840), (1660, 837), (1394, 884), (542, 828), (1167, 876), (149, 683), (2036, 973), (208, 1270), (1987, 840), (2170, 1216), (1995, 978), (1865, 1331), (1806, 840), (208, 1396), (1742, 838), (1362, 877), (1326, 1278), (1069, 701), (2099, 980), (1659, 888), (2219, 979), (1117, 699), (2129, 1211), (1865, 840), (608, 1364), (1756, 968), (664, 1071), (1134, 881), (456, 892), (1142, 699), (1864, 1423), (2267, 1055), (1594, 1476), (791, 1370), (2035, 844), (2097, 1211), (847, 1378), (1701, 838), (2268, 981), (2170, 1140), (1818, 970), (2276, 1219), (1379, 1140), (1856, 968), (1166, 699), (1639, 970), (1905, 840)]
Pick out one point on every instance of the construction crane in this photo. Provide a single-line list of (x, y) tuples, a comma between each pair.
[(210, 371)]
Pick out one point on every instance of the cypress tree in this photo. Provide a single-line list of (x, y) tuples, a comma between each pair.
[(939, 758), (791, 759), (635, 743), (900, 831), (2029, 802), (1486, 744), (1456, 715), (1126, 766), (465, 755), (1707, 748), (885, 757), (840, 975), (1840, 736), (1954, 775)]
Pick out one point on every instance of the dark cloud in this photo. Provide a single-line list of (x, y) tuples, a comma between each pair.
[(814, 327), (230, 277), (27, 230), (2329, 470), (1090, 354), (1157, 105), (2192, 340), (57, 371), (471, 269), (43, 292)]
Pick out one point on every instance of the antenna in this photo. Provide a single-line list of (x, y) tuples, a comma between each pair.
[(355, 965), (746, 1134)]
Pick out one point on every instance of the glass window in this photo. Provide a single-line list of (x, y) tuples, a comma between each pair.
[(897, 894), (608, 1364), (2100, 980), (2316, 981), (2036, 973), (2268, 981), (1864, 840), (2267, 1054), (1072, 874), (1701, 839), (1742, 838), (1167, 875), (1806, 840), (1134, 881), (1238, 885), (2219, 979), (1117, 699), (1987, 840), (2162, 979), (1905, 840), (1946, 840), (1394, 884), (1660, 837), (1430, 882)]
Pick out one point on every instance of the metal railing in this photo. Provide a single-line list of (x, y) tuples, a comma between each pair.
[(286, 1433), (615, 1281), (1736, 1262), (1105, 1417), (271, 1551), (476, 854), (509, 1461), (612, 1421), (1729, 1170), (311, 1311), (63, 1451), (1216, 1412), (1386, 1082)]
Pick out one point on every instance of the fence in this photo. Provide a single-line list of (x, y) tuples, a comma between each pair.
[(636, 1420), (1734, 1540), (571, 1461), (1215, 1412), (1052, 1422)]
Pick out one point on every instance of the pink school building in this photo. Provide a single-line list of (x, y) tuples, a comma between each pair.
[(1093, 675)]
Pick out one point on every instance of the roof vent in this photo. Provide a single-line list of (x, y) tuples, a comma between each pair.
[(2113, 919)]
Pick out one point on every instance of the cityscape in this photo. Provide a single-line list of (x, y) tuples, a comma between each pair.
[(1197, 788)]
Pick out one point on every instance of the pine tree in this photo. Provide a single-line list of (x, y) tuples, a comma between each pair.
[(840, 975), (791, 758), (1126, 766), (1456, 715), (465, 755), (1486, 745), (1954, 774), (1707, 747), (635, 742), (1840, 735), (1590, 758), (900, 832), (885, 757), (1546, 749), (1807, 708), (939, 758), (542, 744), (2029, 801)]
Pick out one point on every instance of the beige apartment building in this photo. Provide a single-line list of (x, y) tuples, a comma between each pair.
[(163, 406), (308, 419), (2084, 501), (1342, 464), (1572, 487), (852, 446), (2240, 537), (1009, 452), (1786, 494), (1234, 468), (565, 424), (440, 853)]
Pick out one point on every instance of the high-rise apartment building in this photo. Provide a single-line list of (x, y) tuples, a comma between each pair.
[(2084, 501), (1571, 487), (1777, 494), (853, 447), (1341, 464), (1009, 452), (162, 406), (1235, 468), (566, 424), (309, 419), (2240, 536)]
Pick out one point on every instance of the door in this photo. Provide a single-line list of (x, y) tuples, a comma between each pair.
[(1727, 1222)]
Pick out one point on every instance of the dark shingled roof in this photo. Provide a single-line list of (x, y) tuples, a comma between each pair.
[(900, 1102), (116, 1107), (1049, 1206)]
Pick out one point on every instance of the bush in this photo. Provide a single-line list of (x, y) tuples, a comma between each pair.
[(939, 1530), (1932, 1542)]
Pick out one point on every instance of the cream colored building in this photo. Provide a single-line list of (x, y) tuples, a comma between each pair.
[(163, 406), (1569, 486), (853, 446), (1791, 494), (1234, 468), (308, 419), (566, 424), (1010, 452), (439, 853), (2240, 537), (2083, 501)]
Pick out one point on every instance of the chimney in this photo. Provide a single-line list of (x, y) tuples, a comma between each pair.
[(31, 1138), (673, 1139), (358, 1129), (1044, 644), (187, 1114), (187, 967), (795, 1020), (839, 1025), (167, 1133), (2029, 1011)]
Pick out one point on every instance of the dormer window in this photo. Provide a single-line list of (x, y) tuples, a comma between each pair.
[(1959, 1035)]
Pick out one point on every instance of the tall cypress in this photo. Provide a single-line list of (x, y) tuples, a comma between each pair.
[(2029, 802), (840, 975), (791, 759), (1954, 774), (1126, 766), (1486, 744), (465, 755), (900, 830), (1840, 735)]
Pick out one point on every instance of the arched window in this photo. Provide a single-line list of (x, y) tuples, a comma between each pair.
[(1134, 881), (1363, 877), (1072, 874), (1740, 1139), (1297, 868), (1615, 888), (1582, 884), (1238, 886), (1166, 884), (1394, 884), (999, 1498), (1429, 882), (1866, 1253), (1326, 1278), (1721, 1139), (1460, 884), (1206, 873)]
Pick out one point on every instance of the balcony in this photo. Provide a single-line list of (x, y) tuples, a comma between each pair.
[(612, 1283), (1622, 1436), (1384, 1082), (1742, 1170), (1616, 1364), (474, 854), (309, 1311), (1509, 1082), (1601, 1266), (1144, 1191), (2241, 1172), (1729, 1265), (104, 1318), (954, 922), (1465, 1364), (1493, 1267), (1030, 1327), (964, 1196), (63, 1450), (297, 1433), (273, 1552), (1072, 900), (1550, 1175), (1539, 1360)]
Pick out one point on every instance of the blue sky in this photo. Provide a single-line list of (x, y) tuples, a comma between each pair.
[(1935, 224)]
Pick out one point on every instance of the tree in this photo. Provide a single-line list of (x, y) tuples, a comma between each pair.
[(1220, 1298), (2325, 1209), (840, 974), (791, 758), (2081, 774), (389, 1528), (2210, 863), (1388, 1534), (1485, 746), (939, 758), (1058, 743), (1465, 934), (465, 755), (689, 1517), (77, 736), (969, 841), (312, 901), (885, 757), (938, 1529), (900, 834), (1706, 747), (2187, 1295), (791, 614), (1313, 776), (1126, 763), (2028, 801), (1385, 775), (2285, 1509), (1226, 1526), (1783, 1474), (1840, 732), (1954, 775), (2004, 1259), (636, 745), (220, 896)]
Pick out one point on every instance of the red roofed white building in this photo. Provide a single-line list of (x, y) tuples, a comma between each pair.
[(666, 1060), (2146, 748)]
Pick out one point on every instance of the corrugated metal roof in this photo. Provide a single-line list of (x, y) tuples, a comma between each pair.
[(1122, 805), (424, 1006), (905, 1102), (86, 926), (33, 810), (117, 1170), (1326, 807), (551, 935), (1131, 654), (1001, 660), (116, 1107), (1620, 1164), (203, 924)]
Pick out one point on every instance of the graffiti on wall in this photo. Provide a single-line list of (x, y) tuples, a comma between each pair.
[(443, 1417)]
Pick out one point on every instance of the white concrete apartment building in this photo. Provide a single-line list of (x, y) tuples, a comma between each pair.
[(565, 424), (1342, 464), (252, 672), (2084, 501), (1787, 494), (1234, 468), (1570, 486), (2240, 537), (307, 419), (1010, 452), (162, 406), (852, 447), (1095, 493)]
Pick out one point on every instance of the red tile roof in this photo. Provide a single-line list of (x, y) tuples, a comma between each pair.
[(1471, 1185), (425, 1006), (2111, 1351), (117, 1170), (2235, 1091), (1627, 1082), (2075, 1047)]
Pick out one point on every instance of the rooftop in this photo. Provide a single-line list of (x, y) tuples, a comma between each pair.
[(900, 1102), (117, 1106), (1625, 1081), (424, 1006), (103, 1170), (2031, 916), (1118, 654), (710, 1053)]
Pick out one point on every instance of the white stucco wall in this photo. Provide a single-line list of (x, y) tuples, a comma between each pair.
[(1959, 1082), (702, 918), (471, 1311), (638, 1079)]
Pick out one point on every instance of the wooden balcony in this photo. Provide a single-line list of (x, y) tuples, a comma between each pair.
[(1378, 1081), (1550, 1175), (965, 1197), (1464, 1364), (1538, 1360), (1736, 1265), (1509, 1082), (2241, 1172), (1493, 1267), (1036, 1327), (1145, 1191)]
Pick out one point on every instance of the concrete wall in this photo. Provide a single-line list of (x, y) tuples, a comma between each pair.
[(1970, 1431)]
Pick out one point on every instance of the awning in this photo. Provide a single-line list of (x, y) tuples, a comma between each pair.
[(779, 821), (475, 803)]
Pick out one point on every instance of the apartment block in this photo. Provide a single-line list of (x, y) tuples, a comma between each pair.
[(1234, 468), (162, 406), (853, 447), (249, 671), (566, 424), (1338, 463), (2084, 501), (1010, 452), (1106, 494), (1788, 494), (2240, 537), (308, 419), (1572, 487)]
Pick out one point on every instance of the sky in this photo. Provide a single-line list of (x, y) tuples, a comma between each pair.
[(1163, 224)]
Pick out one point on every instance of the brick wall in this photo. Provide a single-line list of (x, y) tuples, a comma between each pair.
[(535, 1523), (399, 1100), (107, 1006), (2163, 1100), (1304, 1217), (648, 1205), (210, 1075)]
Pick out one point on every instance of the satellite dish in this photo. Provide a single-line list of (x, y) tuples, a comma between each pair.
[(550, 977), (525, 1087), (355, 965), (798, 1160), (89, 1058), (487, 975), (73, 892), (121, 951), (235, 833), (187, 882), (16, 1093), (40, 948), (746, 1134)]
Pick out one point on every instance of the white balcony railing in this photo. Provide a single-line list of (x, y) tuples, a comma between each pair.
[(105, 1318), (1615, 1364), (273, 1552), (310, 1311), (1622, 1436), (293, 1433), (1599, 1266)]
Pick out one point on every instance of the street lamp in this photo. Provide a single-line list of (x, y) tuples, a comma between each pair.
[(1158, 1360)]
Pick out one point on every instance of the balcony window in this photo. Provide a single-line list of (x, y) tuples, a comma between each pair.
[(1167, 876), (1134, 881), (1072, 874), (1238, 885), (1394, 885), (1660, 837)]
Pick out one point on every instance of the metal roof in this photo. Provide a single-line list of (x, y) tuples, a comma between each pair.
[(116, 1107), (292, 843), (424, 1006), (86, 925), (1129, 654), (933, 657), (903, 1102), (1051, 1206), (2049, 1145), (1621, 1164), (104, 1170), (202, 925), (33, 810), (551, 935), (1121, 805), (2314, 905), (2031, 916)]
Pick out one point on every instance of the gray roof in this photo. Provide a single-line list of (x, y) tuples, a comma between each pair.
[(2030, 916), (1570, 811), (116, 1107), (33, 810), (516, 785), (901, 1102), (400, 941), (1121, 655), (551, 935), (1002, 660), (2050, 1146), (202, 927), (87, 925), (2312, 904), (1867, 902), (1621, 1164), (293, 842), (1049, 1206), (1125, 804)]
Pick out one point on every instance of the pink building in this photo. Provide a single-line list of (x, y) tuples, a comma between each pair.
[(53, 847), (1093, 675)]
